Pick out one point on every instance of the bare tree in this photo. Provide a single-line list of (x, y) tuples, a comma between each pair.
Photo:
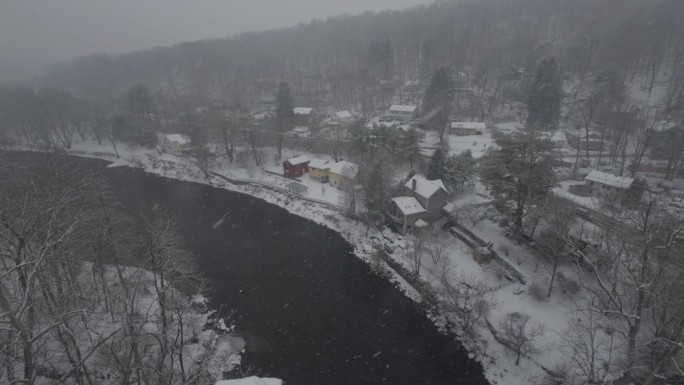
[(468, 299), (437, 246), (589, 346), (473, 213), (637, 243), (558, 217), (257, 140), (415, 251), (520, 335)]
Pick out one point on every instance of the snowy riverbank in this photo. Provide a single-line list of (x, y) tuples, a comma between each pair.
[(499, 365)]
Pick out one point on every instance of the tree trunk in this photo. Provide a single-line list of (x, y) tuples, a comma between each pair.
[(553, 276)]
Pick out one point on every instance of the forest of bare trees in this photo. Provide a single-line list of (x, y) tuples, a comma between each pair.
[(90, 294)]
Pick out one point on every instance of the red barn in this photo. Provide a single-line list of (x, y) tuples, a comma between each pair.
[(296, 167)]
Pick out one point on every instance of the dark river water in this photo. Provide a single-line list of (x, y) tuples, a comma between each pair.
[(310, 311)]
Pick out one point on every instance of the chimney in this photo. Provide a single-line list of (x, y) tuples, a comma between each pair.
[(414, 183)]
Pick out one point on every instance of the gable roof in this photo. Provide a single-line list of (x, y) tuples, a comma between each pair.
[(609, 179), (302, 110), (343, 114), (408, 205), (469, 125), (402, 108), (424, 187), (298, 160), (319, 164), (344, 168)]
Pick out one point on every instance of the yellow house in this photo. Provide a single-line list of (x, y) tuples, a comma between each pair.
[(344, 175), (319, 170), (174, 143)]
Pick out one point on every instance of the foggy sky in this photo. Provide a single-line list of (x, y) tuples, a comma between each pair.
[(35, 33)]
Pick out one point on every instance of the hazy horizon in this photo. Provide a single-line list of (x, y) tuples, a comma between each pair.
[(37, 33)]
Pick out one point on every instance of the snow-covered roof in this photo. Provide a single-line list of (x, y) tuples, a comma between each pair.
[(425, 188), (251, 381), (420, 223), (469, 125), (408, 205), (298, 160), (609, 179), (402, 108), (449, 208), (301, 130), (343, 114), (319, 164), (344, 168), (663, 125), (302, 110), (178, 138)]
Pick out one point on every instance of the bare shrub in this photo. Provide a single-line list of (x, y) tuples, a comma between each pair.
[(519, 334), (498, 270), (568, 285), (536, 291)]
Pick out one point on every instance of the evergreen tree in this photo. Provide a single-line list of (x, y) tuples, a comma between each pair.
[(519, 173), (410, 146), (544, 98), (381, 60), (358, 139), (139, 102), (376, 191), (460, 171), (437, 165), (284, 114), (437, 101), (135, 122)]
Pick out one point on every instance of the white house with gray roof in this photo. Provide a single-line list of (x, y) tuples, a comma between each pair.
[(423, 200)]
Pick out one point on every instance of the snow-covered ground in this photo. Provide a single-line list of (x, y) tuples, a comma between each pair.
[(251, 381), (498, 362)]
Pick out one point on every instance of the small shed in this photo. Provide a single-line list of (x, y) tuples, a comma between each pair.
[(482, 255), (296, 167), (343, 116), (297, 188), (467, 128)]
